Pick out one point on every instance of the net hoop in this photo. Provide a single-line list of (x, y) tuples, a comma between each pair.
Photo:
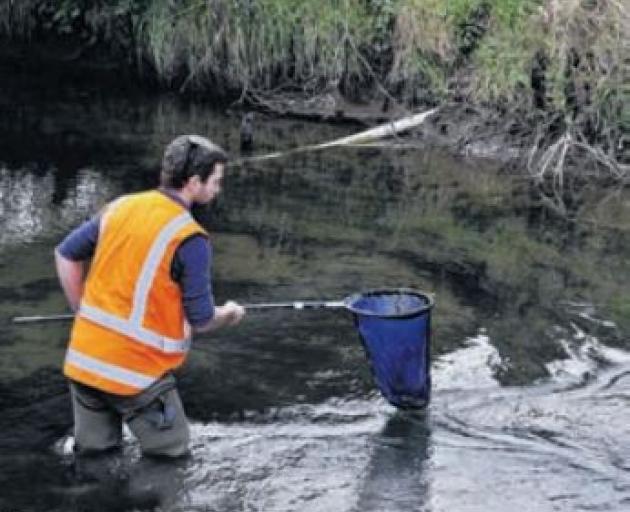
[(426, 305)]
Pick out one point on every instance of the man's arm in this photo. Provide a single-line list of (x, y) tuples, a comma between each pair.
[(70, 275), (71, 256), (192, 270), (230, 313)]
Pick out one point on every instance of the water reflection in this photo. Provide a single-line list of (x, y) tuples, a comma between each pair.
[(122, 483), (29, 208), (397, 477), (23, 201), (91, 191), (284, 410), (540, 448), (306, 457)]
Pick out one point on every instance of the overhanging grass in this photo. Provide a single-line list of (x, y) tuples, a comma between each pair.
[(435, 50), (256, 44)]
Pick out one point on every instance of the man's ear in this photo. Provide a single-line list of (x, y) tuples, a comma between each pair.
[(194, 181)]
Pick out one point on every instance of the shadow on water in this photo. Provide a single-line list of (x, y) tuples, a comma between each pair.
[(396, 478), (103, 483), (274, 360), (35, 411)]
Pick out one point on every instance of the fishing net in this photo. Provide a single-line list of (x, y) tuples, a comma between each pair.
[(395, 328)]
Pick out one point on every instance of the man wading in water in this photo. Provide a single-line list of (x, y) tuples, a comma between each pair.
[(147, 288)]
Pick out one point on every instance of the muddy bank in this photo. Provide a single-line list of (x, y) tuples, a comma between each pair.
[(460, 126), (516, 78)]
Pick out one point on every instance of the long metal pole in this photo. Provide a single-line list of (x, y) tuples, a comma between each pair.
[(253, 307), (42, 318), (309, 304)]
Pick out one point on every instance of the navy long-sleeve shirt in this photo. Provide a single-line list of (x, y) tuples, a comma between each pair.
[(190, 267)]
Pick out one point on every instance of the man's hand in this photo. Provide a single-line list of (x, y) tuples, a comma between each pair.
[(231, 313)]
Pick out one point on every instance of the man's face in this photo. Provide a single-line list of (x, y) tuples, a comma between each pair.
[(210, 188)]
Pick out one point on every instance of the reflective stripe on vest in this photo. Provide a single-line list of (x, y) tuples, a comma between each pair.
[(108, 370), (132, 326)]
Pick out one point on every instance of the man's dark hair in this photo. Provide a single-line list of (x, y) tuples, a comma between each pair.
[(189, 155)]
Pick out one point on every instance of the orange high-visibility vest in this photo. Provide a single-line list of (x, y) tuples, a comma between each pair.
[(130, 327)]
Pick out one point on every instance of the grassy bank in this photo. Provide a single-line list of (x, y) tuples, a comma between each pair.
[(563, 64)]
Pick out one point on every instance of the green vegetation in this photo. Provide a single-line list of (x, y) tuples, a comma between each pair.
[(564, 61), (620, 309), (244, 44)]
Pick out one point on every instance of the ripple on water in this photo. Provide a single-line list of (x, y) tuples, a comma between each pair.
[(479, 446), (552, 446)]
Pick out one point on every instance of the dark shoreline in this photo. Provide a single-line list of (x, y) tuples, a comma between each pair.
[(459, 127), (455, 127)]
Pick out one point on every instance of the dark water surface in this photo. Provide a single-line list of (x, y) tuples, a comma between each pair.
[(531, 367)]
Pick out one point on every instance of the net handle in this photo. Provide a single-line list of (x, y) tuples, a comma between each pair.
[(348, 301), (42, 318), (307, 304)]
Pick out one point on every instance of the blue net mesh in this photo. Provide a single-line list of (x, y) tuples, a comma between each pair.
[(395, 330)]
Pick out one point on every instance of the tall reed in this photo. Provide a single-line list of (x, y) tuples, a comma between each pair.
[(17, 19), (244, 43)]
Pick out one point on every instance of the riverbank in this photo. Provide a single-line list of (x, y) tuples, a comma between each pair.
[(536, 80)]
